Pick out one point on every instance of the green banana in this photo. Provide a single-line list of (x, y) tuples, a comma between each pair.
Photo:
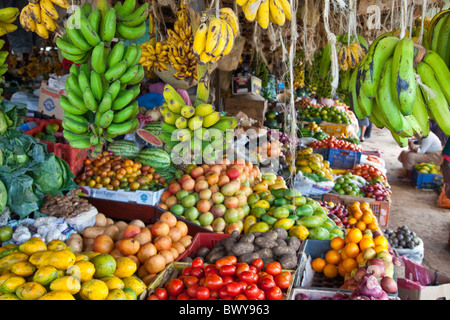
[(443, 48), (72, 83), (130, 54), (441, 72), (73, 104), (135, 18), (74, 70), (123, 128), (384, 99), (131, 33), (74, 126), (421, 114), (126, 8), (374, 117), (86, 9), (401, 141), (116, 54), (114, 89), (106, 103), (129, 74), (98, 60), (68, 47), (106, 119), (325, 62), (94, 139), (364, 103), (83, 80), (95, 18), (81, 144), (139, 75), (353, 98), (89, 100), (78, 118), (88, 32), (75, 35), (115, 72), (381, 49), (123, 99), (403, 83), (108, 26), (138, 55), (414, 124), (435, 36), (126, 113), (86, 68), (77, 58), (72, 136), (437, 104), (96, 85)]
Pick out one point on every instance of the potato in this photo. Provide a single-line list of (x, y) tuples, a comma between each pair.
[(288, 261), (203, 252), (122, 225), (112, 231), (265, 253), (281, 242), (100, 220), (281, 233), (282, 250), (247, 238), (294, 242), (75, 242), (270, 235), (242, 248), (248, 257), (87, 244), (229, 243), (93, 232), (265, 243), (234, 235), (138, 222), (109, 221), (216, 254)]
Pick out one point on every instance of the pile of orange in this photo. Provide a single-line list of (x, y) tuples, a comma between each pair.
[(346, 254), (360, 216)]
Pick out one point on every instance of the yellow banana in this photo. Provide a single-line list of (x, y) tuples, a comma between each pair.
[(241, 2), (199, 45), (276, 12), (231, 40), (9, 14), (286, 8), (9, 27), (48, 22), (35, 12), (343, 58), (214, 35), (230, 16), (49, 8), (250, 9), (223, 40), (262, 16), (61, 3), (41, 30)]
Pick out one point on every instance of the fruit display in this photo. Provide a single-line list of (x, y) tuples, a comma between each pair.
[(430, 167), (216, 36), (227, 279), (213, 196), (114, 172), (310, 164), (368, 172), (338, 212), (194, 131), (266, 11), (325, 113), (402, 238), (350, 55), (49, 133), (40, 16), (377, 190), (312, 130), (335, 143), (349, 184), (437, 35), (384, 87)]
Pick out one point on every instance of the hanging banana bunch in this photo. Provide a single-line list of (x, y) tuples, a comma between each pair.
[(266, 11), (7, 17), (216, 36), (438, 35)]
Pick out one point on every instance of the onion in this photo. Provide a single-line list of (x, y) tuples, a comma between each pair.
[(339, 296), (388, 284), (361, 298), (382, 296), (370, 287), (360, 274), (301, 296), (376, 270)]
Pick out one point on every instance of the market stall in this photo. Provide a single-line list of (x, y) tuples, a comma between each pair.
[(211, 149)]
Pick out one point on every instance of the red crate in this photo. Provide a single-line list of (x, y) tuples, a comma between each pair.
[(74, 157), (202, 240)]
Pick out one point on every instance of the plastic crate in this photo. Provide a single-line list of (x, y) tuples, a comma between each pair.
[(322, 151), (379, 208), (202, 240), (343, 159), (74, 157), (427, 180)]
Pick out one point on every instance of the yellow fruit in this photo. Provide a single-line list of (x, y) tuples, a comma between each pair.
[(7, 262), (23, 268), (94, 289), (130, 294), (39, 259), (80, 257), (125, 267), (57, 295), (82, 270), (9, 296), (11, 284), (61, 259), (56, 245), (32, 245), (134, 283), (113, 282), (45, 275), (30, 291), (116, 294), (66, 283)]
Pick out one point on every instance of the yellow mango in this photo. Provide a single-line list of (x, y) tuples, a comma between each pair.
[(61, 259), (33, 245), (7, 262), (66, 283), (45, 275), (94, 289), (23, 268), (57, 295), (30, 291)]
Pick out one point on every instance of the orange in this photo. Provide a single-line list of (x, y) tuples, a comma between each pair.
[(359, 258), (379, 248), (349, 264), (381, 241), (368, 218), (351, 250), (337, 243), (355, 235), (372, 226), (357, 214), (333, 257), (366, 243), (318, 264), (361, 225), (341, 269), (365, 206), (343, 255), (330, 271), (352, 221)]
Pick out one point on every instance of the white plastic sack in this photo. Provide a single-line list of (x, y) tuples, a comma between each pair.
[(415, 254), (308, 187), (83, 220)]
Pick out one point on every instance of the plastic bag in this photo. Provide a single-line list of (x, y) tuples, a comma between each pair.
[(416, 275), (308, 187), (415, 254), (443, 201)]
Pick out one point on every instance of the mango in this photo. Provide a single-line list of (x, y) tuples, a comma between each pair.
[(230, 188), (259, 227), (248, 222), (33, 245), (66, 283), (57, 295), (30, 291), (7, 262), (45, 275), (285, 223)]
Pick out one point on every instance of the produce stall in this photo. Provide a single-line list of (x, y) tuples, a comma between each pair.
[(166, 160)]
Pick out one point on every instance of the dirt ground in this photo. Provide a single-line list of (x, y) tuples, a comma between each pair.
[(414, 207)]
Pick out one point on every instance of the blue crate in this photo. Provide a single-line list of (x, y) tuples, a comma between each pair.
[(344, 159), (427, 180), (322, 151)]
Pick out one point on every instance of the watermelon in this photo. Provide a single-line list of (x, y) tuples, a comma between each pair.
[(156, 158), (149, 137), (125, 148), (154, 127)]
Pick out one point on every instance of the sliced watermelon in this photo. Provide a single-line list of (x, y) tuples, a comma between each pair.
[(149, 137)]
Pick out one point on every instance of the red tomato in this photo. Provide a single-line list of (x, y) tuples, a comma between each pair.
[(197, 263), (262, 295), (222, 262), (227, 279), (252, 291), (248, 277), (241, 268), (233, 288), (192, 290), (214, 282), (227, 270), (214, 294), (202, 293), (283, 280), (197, 272), (223, 292), (210, 269), (266, 283), (258, 264), (274, 268), (183, 296), (161, 293), (175, 287), (240, 296), (274, 293), (152, 297), (232, 259), (186, 271), (189, 280)]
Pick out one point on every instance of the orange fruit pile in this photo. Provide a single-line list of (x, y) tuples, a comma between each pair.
[(346, 254)]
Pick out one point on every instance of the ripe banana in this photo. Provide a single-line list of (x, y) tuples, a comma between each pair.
[(263, 15), (213, 37), (277, 13), (250, 9)]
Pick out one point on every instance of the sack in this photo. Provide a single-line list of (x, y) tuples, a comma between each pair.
[(443, 201), (415, 254), (308, 187)]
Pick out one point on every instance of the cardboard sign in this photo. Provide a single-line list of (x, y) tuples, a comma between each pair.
[(49, 101)]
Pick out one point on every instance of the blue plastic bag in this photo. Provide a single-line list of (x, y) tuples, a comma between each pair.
[(151, 100)]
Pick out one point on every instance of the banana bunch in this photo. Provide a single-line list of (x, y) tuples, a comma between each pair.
[(438, 35), (40, 16), (7, 17), (399, 85), (176, 51), (89, 26), (184, 124), (265, 11), (215, 37), (350, 55)]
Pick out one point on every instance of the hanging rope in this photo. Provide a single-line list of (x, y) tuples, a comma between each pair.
[(331, 38), (424, 10), (403, 18)]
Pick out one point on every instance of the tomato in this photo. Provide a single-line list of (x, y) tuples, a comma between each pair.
[(213, 282), (262, 295), (202, 293), (161, 293), (232, 259), (266, 283), (233, 288), (222, 262), (273, 268), (240, 296), (153, 297), (175, 287), (186, 271), (192, 290), (197, 272), (241, 268), (210, 269), (258, 264), (227, 279), (274, 293), (214, 294), (227, 270), (197, 263), (223, 292), (248, 277), (183, 296), (283, 280), (190, 280), (252, 291)]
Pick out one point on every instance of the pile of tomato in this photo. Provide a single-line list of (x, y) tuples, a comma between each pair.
[(227, 279), (334, 143), (368, 172)]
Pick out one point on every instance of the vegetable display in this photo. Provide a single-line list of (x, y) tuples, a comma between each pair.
[(335, 143)]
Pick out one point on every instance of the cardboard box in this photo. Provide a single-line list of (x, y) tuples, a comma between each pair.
[(246, 84), (254, 107), (150, 198), (49, 101)]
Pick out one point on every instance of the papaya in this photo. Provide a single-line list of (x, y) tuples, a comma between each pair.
[(66, 283), (252, 199), (280, 201), (116, 294), (270, 198), (280, 213), (23, 268), (30, 291), (8, 261), (290, 207), (39, 259), (6, 252), (328, 224), (248, 222), (57, 295), (262, 203), (304, 211), (134, 283), (300, 232), (300, 200), (45, 275), (9, 296), (61, 259), (279, 193), (318, 233), (258, 212), (11, 284), (269, 219), (260, 226), (32, 245), (284, 223), (311, 221)]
